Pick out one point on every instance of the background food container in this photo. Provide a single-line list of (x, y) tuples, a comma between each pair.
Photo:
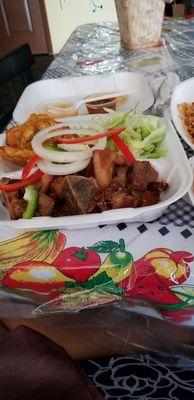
[(140, 22)]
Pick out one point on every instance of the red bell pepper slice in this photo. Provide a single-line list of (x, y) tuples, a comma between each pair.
[(29, 166), (124, 149), (34, 178), (111, 132)]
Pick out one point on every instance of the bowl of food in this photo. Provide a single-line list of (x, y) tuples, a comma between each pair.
[(84, 172)]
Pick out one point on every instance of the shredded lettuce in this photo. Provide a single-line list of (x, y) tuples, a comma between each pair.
[(143, 133)]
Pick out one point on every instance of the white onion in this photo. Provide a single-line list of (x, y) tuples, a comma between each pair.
[(73, 146), (77, 156), (101, 144), (98, 144), (67, 156), (53, 156), (62, 169)]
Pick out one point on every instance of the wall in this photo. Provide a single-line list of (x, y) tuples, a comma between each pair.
[(65, 15)]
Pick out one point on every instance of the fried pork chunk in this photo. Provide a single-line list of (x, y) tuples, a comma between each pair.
[(148, 198), (15, 205), (115, 196), (45, 205), (104, 162), (74, 194), (143, 174), (134, 186), (13, 201)]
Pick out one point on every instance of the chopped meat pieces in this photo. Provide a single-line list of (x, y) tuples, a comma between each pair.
[(45, 205), (61, 208), (79, 194), (120, 174), (114, 197), (120, 160), (131, 187), (158, 186), (105, 199), (56, 188), (143, 174), (124, 201), (107, 183), (14, 201), (45, 182), (148, 198), (103, 161), (88, 172), (15, 205)]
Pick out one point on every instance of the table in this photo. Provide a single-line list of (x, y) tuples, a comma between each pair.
[(95, 49)]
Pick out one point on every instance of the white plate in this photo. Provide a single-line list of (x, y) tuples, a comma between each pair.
[(191, 191), (174, 168), (48, 91), (182, 93)]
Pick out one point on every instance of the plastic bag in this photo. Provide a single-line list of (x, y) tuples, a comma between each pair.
[(140, 22), (57, 272)]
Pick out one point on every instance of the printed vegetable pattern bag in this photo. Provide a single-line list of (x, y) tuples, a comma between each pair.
[(51, 268)]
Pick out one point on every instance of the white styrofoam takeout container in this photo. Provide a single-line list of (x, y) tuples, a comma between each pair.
[(182, 93), (174, 168), (191, 191), (70, 89)]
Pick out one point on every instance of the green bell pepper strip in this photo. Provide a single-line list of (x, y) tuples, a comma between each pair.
[(31, 196)]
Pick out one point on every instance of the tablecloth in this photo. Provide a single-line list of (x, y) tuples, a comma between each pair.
[(95, 49)]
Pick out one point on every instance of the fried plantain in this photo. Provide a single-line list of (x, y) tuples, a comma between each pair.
[(20, 136), (18, 139), (40, 121), (15, 155)]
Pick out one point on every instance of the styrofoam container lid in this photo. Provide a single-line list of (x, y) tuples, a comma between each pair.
[(70, 89), (174, 168)]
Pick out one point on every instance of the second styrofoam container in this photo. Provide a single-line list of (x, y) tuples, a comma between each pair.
[(191, 191), (182, 93)]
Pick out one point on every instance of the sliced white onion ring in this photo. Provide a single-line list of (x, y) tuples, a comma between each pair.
[(62, 169), (73, 147), (53, 156), (99, 144)]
